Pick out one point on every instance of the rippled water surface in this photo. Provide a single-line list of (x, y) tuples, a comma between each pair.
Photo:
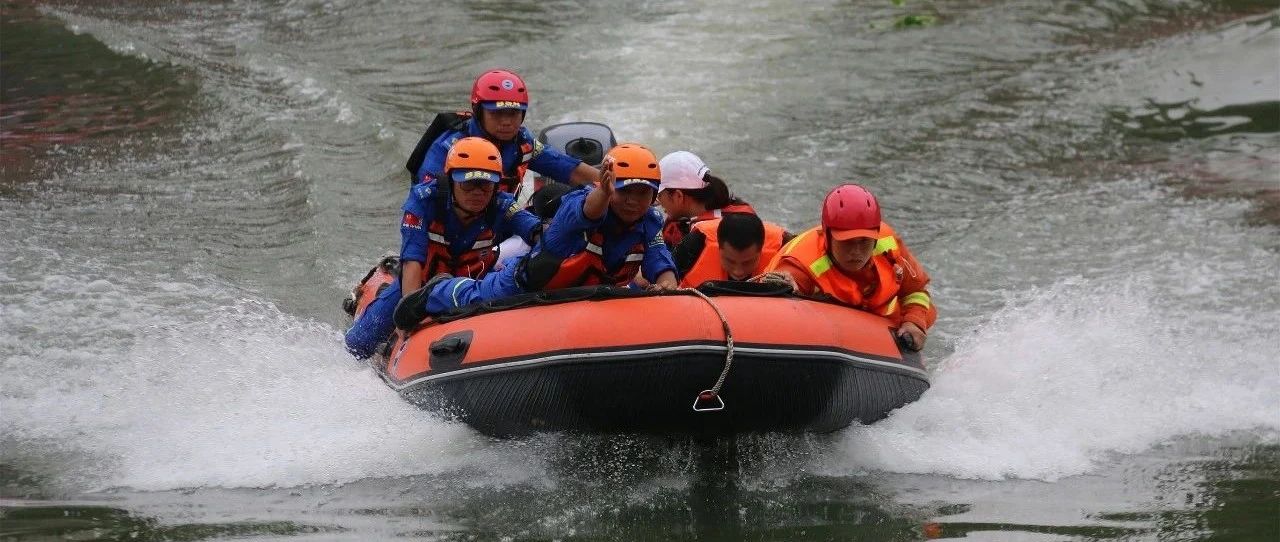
[(188, 189)]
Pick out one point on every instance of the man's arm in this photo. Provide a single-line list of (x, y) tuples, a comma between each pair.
[(658, 266), (918, 311), (550, 162), (413, 236), (517, 221), (584, 174)]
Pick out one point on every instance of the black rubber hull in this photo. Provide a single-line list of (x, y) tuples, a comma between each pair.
[(654, 392)]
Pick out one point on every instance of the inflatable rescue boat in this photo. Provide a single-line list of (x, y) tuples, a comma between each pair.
[(736, 358), (727, 358)]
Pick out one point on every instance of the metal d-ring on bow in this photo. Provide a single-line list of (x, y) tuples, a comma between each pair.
[(713, 394)]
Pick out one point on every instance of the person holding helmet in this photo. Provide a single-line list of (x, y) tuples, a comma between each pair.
[(736, 247), (689, 193), (601, 235), (854, 258), (499, 101), (449, 226)]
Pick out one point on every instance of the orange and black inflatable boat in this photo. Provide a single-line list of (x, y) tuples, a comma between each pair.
[(612, 359)]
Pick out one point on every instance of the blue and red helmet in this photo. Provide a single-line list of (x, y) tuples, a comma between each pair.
[(499, 89)]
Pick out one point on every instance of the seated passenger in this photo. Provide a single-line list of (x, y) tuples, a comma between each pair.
[(857, 260), (600, 235), (736, 247), (544, 203), (689, 193), (499, 101), (450, 226)]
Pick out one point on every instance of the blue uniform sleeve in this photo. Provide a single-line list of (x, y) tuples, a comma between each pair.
[(433, 163), (563, 237), (549, 161), (516, 220), (657, 257), (419, 211)]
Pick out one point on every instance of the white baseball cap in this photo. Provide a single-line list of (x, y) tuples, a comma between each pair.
[(682, 169)]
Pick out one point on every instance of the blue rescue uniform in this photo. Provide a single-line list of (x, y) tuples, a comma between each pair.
[(423, 209), (565, 237), (547, 161)]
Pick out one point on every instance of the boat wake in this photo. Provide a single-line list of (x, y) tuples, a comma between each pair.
[(1056, 383)]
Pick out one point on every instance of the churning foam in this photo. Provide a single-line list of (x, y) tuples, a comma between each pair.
[(181, 385), (1055, 382)]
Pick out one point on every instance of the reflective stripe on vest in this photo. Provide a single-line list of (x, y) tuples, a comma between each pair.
[(587, 268), (809, 251), (473, 263)]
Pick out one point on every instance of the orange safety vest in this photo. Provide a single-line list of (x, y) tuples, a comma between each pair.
[(586, 268), (708, 267), (511, 179), (473, 263), (674, 230), (369, 289), (809, 252)]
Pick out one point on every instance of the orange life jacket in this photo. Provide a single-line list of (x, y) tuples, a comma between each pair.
[(511, 178), (379, 279), (809, 252), (708, 267), (473, 263), (586, 268), (675, 228)]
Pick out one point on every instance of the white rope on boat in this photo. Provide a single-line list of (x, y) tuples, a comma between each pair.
[(714, 392)]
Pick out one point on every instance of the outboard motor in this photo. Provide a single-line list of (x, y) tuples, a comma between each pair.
[(586, 141)]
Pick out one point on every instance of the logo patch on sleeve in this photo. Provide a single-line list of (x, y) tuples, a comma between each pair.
[(411, 221)]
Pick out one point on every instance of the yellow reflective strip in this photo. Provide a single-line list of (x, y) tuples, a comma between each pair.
[(822, 265), (885, 244), (891, 307), (918, 298), (796, 242)]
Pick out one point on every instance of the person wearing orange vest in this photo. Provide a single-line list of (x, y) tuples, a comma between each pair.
[(855, 259), (689, 194), (449, 226), (736, 247), (602, 235)]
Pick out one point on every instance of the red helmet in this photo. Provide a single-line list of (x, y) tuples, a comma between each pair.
[(851, 211), (499, 89)]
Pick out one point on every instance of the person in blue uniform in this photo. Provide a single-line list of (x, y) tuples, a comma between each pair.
[(601, 235), (499, 101), (451, 226)]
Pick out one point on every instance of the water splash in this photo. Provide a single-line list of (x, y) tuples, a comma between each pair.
[(1056, 382), (176, 384)]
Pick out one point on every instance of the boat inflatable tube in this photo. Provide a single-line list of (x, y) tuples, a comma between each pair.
[(606, 359)]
